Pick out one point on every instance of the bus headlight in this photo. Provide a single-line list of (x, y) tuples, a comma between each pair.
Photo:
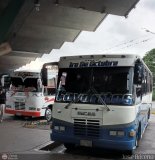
[(62, 128), (117, 133), (113, 133), (38, 109), (132, 133), (56, 128), (120, 133), (59, 128), (32, 108), (8, 106)]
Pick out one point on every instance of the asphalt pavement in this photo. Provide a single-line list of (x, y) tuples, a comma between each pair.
[(16, 138)]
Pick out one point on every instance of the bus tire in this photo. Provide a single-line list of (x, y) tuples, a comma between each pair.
[(132, 151), (48, 114), (148, 117), (137, 141), (69, 146), (139, 135), (17, 116)]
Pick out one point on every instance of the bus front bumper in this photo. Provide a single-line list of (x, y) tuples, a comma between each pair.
[(65, 133), (101, 143), (23, 113)]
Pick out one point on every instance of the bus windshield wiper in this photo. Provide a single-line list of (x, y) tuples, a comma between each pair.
[(100, 98), (68, 104), (73, 101)]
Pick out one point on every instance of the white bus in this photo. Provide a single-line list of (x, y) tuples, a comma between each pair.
[(28, 97), (102, 101)]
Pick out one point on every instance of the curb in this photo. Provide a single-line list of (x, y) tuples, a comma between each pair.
[(47, 147), (39, 148)]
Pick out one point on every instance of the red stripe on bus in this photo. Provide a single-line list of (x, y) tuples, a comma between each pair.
[(23, 113), (50, 100)]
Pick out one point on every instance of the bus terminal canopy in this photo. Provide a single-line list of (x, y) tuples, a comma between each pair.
[(30, 28)]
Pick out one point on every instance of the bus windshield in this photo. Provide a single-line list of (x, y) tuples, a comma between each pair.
[(29, 84), (92, 81)]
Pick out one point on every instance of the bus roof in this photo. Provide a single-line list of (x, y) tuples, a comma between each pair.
[(105, 60), (101, 56)]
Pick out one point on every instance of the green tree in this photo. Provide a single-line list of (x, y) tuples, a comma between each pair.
[(149, 59)]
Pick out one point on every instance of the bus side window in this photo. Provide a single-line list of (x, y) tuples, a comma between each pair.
[(138, 73)]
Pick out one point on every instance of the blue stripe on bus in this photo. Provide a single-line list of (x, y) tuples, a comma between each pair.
[(104, 140)]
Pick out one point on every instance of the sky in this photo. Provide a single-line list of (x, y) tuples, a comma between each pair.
[(115, 35)]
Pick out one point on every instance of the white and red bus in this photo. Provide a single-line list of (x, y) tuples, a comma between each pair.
[(28, 97)]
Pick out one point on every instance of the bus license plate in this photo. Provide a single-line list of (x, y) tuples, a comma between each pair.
[(86, 143)]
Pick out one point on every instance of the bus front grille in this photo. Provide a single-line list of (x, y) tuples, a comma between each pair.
[(19, 105), (87, 127)]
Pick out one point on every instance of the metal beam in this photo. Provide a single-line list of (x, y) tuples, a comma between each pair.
[(7, 17)]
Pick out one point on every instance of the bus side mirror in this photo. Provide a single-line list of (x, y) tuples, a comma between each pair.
[(44, 76), (5, 81), (138, 74)]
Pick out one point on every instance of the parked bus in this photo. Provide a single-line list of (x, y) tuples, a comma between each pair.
[(28, 97), (102, 101)]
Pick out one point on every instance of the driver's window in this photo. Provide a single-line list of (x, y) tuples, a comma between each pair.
[(62, 80)]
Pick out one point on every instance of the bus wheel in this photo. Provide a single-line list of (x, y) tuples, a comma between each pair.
[(137, 141), (148, 117), (138, 135), (132, 151), (48, 114), (69, 146)]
